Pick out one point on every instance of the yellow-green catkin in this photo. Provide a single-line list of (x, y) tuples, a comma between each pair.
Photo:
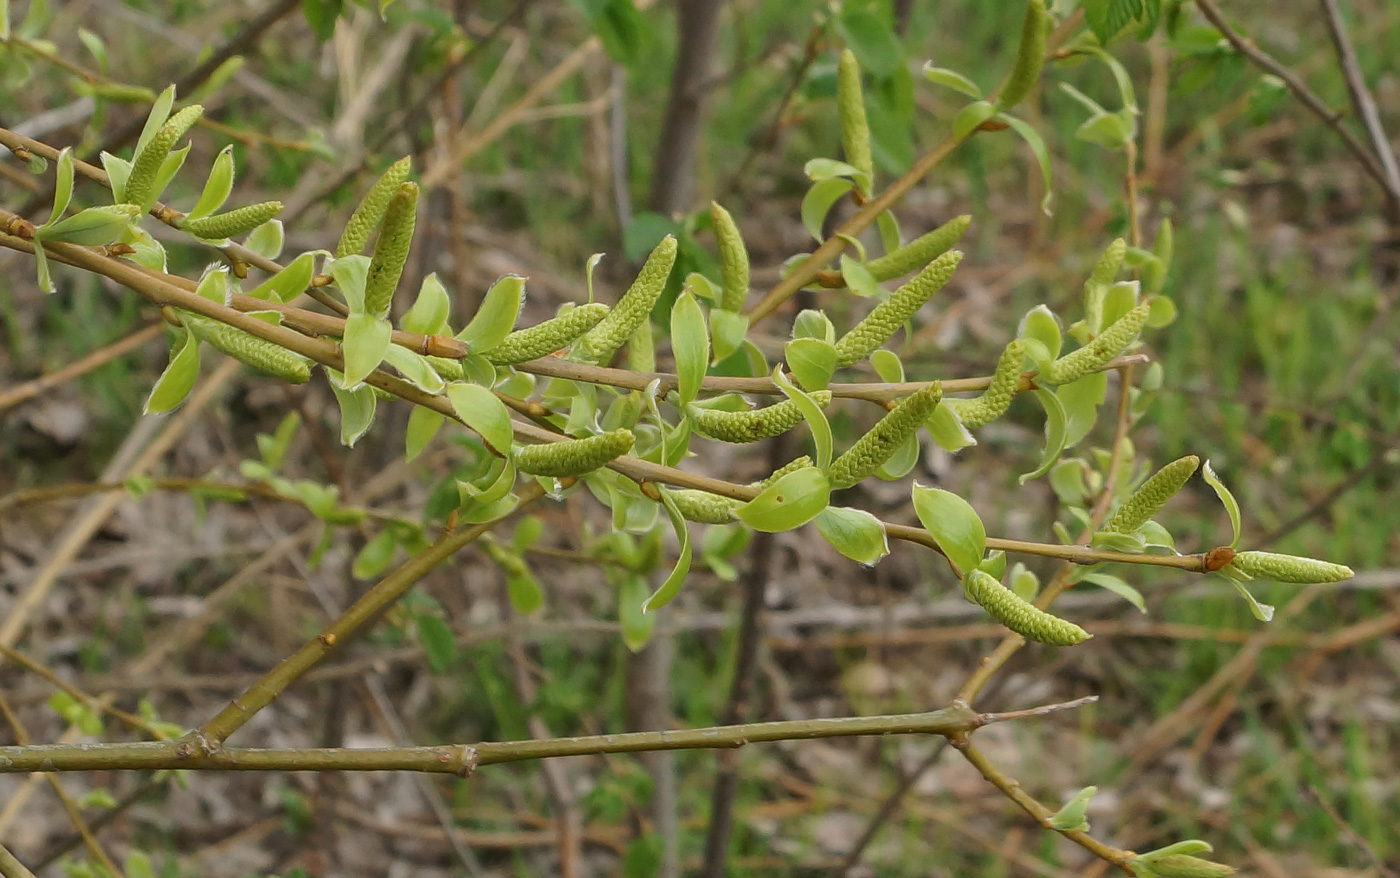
[(233, 222), (983, 589), (545, 338), (245, 347), (602, 341), (1029, 58), (1107, 345), (733, 259), (755, 424), (871, 451), (145, 166), (573, 458), (1185, 866), (920, 251), (1109, 264), (1152, 496), (704, 507), (448, 368), (855, 128), (371, 209), (791, 466), (996, 399), (391, 250), (888, 316), (1288, 568)]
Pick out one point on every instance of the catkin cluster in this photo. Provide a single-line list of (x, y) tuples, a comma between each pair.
[(871, 451), (547, 337), (231, 223), (920, 251), (575, 457), (145, 167), (753, 425), (888, 316), (996, 399), (1152, 496), (371, 209), (1288, 568), (1020, 616), (245, 347), (602, 341), (1108, 344)]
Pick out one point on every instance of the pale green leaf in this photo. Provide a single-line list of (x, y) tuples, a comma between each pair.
[(672, 586), (1117, 586), (1232, 506), (428, 316), (1056, 434), (217, 187), (415, 367), (788, 503), (812, 361), (176, 382), (93, 227), (356, 410), (953, 524), (423, 424), (727, 331), (366, 341), (854, 533), (952, 79), (482, 411), (497, 315), (812, 413), (971, 116), (818, 201), (290, 282), (690, 344)]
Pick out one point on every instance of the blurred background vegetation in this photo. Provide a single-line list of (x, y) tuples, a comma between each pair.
[(1278, 745)]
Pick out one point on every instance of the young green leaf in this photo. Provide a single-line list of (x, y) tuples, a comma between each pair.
[(811, 406), (1056, 433), (971, 116), (812, 361), (690, 344), (497, 315), (93, 227), (727, 332), (176, 382), (483, 412), (367, 340), (953, 524), (428, 316), (819, 200), (217, 187), (854, 533), (1232, 505), (672, 586), (1071, 816), (439, 643), (951, 79), (356, 411), (788, 503), (290, 282), (637, 626)]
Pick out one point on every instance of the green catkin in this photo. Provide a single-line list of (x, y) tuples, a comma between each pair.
[(145, 167), (733, 259), (920, 251), (448, 368), (791, 466), (245, 347), (371, 209), (545, 338), (1109, 263), (1184, 866), (983, 589), (1106, 346), (1152, 496), (1030, 57), (704, 507), (233, 222), (996, 399), (871, 451), (755, 424), (888, 316), (1288, 568), (391, 250), (602, 341), (573, 458), (855, 128)]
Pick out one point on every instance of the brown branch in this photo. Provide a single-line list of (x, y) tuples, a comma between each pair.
[(1362, 100)]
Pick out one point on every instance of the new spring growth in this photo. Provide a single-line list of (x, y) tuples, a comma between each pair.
[(888, 316), (145, 167), (733, 260), (1186, 866), (1101, 279), (371, 209), (996, 399), (791, 466), (1030, 57), (245, 347), (920, 251), (855, 129), (1152, 496), (573, 458), (983, 589), (232, 223), (1107, 345), (751, 426), (705, 508), (545, 338), (1287, 568), (871, 451), (391, 250), (602, 341)]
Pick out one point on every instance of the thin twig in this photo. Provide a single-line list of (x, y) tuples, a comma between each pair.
[(1362, 100), (80, 366)]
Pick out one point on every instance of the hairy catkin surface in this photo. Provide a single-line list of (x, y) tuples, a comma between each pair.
[(1152, 496), (245, 347), (231, 223), (573, 458), (145, 167), (545, 338), (874, 448), (371, 209), (983, 589), (733, 259), (920, 251), (704, 507), (888, 316), (1109, 344), (756, 424), (996, 399), (850, 104), (1288, 568), (602, 341), (391, 250)]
